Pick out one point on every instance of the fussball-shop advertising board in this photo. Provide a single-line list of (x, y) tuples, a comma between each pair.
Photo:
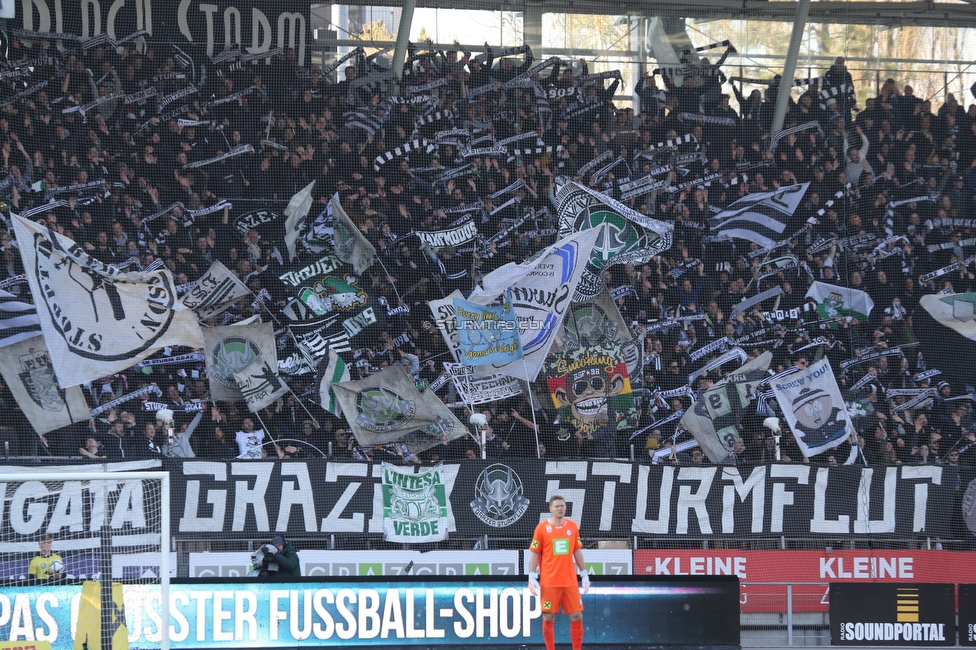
[(384, 612), (892, 614)]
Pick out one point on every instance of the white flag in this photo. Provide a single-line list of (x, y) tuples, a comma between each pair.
[(541, 291), (260, 384), (350, 245), (812, 405), (231, 349), (27, 369), (386, 406), (295, 213), (213, 293), (96, 319), (336, 372)]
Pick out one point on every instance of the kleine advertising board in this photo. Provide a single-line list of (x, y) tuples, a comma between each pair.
[(797, 567)]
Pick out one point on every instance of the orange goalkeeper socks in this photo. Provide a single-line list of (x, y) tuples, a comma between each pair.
[(576, 634), (549, 634)]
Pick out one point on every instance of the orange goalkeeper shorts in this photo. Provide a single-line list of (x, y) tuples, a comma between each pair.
[(566, 598)]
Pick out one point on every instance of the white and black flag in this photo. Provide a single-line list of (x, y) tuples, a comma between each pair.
[(96, 319), (18, 320), (762, 217), (27, 369)]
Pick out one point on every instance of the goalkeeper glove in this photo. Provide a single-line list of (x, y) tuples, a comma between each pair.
[(534, 586), (585, 580)]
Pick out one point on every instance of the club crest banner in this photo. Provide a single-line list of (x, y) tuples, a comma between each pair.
[(322, 287), (592, 322), (415, 506), (27, 369), (385, 406), (834, 301), (627, 237), (812, 405), (232, 349), (97, 320)]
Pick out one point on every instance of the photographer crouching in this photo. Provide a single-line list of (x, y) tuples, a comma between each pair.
[(276, 561)]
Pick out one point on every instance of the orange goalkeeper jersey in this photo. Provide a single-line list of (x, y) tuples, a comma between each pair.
[(555, 546)]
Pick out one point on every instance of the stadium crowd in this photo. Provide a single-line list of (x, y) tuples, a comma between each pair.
[(863, 154)]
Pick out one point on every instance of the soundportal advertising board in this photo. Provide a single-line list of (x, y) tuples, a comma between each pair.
[(892, 614), (436, 612)]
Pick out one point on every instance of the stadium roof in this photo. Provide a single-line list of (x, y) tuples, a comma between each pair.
[(893, 14)]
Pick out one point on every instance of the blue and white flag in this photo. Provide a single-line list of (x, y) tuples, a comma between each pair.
[(541, 291), (487, 334)]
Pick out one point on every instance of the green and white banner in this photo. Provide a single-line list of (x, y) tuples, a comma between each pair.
[(414, 505), (834, 301)]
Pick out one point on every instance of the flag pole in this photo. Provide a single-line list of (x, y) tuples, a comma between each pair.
[(528, 389), (299, 400), (267, 429)]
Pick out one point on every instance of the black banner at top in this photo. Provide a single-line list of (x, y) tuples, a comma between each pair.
[(253, 26), (607, 499)]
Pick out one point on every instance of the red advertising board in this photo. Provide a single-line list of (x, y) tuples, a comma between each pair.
[(818, 567)]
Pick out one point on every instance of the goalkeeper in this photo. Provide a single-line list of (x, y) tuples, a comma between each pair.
[(556, 558), (46, 566), (285, 556)]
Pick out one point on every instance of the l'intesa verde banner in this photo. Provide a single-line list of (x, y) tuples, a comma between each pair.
[(384, 612)]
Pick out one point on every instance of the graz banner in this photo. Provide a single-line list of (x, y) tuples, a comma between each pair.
[(618, 499)]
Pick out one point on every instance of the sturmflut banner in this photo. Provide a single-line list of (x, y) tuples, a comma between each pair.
[(608, 499)]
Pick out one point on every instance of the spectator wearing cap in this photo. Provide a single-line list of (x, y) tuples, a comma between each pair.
[(289, 565)]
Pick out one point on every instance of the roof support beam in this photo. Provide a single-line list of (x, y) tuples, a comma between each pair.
[(403, 36), (789, 67)]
